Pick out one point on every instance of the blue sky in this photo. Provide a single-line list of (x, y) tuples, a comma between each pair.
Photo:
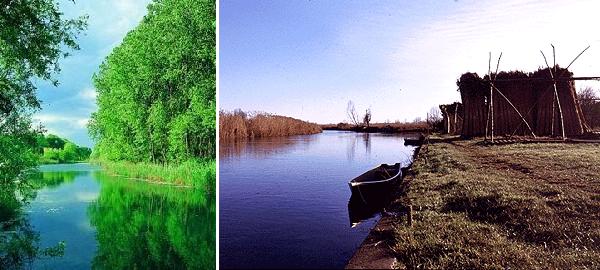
[(66, 109), (307, 59)]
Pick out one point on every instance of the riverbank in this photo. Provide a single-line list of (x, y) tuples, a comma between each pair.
[(187, 174), (476, 206)]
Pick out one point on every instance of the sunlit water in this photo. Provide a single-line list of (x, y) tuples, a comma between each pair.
[(284, 201), (112, 223)]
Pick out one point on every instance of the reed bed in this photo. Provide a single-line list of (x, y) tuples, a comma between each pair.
[(191, 173), (239, 124)]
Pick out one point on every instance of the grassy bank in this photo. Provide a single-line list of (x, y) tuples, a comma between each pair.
[(513, 206), (238, 124), (190, 173)]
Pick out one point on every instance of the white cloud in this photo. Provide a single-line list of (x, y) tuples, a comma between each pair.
[(88, 94), (61, 124), (123, 15), (425, 57)]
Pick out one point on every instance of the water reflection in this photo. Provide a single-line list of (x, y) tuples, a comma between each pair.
[(75, 217), (152, 227), (367, 140), (53, 179), (19, 242), (263, 147), (359, 210)]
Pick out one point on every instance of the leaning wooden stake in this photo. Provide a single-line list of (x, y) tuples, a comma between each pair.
[(562, 121), (515, 108)]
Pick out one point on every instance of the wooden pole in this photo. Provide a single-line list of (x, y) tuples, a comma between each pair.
[(562, 121), (553, 97), (491, 97)]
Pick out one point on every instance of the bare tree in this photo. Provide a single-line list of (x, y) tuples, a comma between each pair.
[(367, 117), (590, 106), (351, 111), (434, 118), (434, 115)]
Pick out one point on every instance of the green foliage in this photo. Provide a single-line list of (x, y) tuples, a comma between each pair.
[(60, 150), (16, 155), (54, 141), (152, 227), (156, 91), (201, 175), (33, 37)]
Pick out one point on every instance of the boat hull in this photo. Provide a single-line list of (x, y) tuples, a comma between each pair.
[(373, 186), (374, 193)]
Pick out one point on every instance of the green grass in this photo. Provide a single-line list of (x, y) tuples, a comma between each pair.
[(521, 206), (192, 173)]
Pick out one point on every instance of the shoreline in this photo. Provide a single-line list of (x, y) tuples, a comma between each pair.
[(375, 251), (379, 129), (189, 174), (476, 205)]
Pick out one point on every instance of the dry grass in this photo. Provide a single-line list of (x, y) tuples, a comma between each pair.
[(238, 124), (520, 206)]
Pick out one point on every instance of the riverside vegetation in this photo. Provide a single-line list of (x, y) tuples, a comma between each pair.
[(156, 113), (510, 206), (34, 36), (239, 124), (53, 149), (156, 100)]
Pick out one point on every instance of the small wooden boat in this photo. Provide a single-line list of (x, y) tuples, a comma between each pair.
[(376, 183), (414, 141)]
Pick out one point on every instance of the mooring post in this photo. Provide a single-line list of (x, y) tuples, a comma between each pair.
[(410, 215)]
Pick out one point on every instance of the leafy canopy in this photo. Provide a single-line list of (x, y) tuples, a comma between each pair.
[(34, 35), (156, 91)]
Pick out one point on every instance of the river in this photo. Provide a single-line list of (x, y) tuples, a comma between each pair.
[(105, 222), (284, 200)]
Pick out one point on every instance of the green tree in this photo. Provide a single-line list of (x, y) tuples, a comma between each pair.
[(55, 141), (156, 91), (34, 35), (69, 152)]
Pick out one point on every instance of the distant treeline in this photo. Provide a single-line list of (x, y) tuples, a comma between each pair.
[(53, 149), (396, 127), (239, 124)]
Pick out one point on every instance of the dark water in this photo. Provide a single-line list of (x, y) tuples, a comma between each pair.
[(284, 201), (109, 223)]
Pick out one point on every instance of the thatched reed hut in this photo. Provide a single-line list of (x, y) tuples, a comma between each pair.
[(523, 103), (452, 118)]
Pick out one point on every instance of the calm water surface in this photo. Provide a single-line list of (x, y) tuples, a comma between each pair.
[(284, 201), (111, 223)]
